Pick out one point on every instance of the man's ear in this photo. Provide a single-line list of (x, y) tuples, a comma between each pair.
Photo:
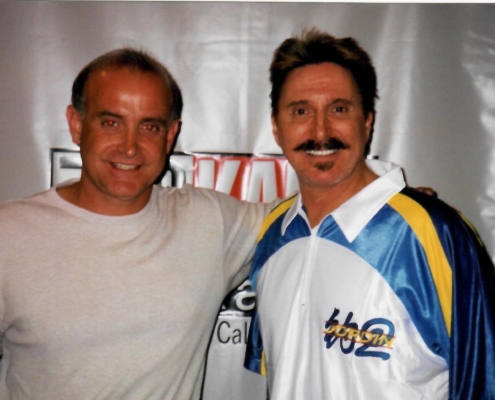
[(74, 119), (275, 129), (172, 134)]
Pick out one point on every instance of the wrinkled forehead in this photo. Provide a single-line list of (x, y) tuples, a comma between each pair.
[(110, 72), (112, 80), (323, 78)]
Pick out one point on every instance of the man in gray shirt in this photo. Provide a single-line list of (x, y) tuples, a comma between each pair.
[(110, 285)]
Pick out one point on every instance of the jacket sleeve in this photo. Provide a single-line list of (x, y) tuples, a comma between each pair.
[(472, 349), (471, 356)]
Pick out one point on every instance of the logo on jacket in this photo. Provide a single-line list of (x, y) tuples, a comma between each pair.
[(377, 333)]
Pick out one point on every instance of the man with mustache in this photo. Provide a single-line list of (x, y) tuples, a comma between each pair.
[(366, 289)]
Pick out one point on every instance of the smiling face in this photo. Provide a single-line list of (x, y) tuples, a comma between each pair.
[(322, 129), (124, 139)]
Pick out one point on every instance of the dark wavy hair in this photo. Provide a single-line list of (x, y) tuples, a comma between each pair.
[(315, 47)]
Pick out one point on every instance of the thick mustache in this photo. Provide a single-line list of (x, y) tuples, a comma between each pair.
[(327, 144)]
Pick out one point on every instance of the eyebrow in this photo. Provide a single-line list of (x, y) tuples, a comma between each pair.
[(341, 100), (159, 121), (155, 120), (105, 113), (297, 103), (306, 102)]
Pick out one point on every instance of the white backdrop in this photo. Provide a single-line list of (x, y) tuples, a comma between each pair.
[(436, 67), (435, 63)]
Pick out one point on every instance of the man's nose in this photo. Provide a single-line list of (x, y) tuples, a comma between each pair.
[(321, 126), (129, 143)]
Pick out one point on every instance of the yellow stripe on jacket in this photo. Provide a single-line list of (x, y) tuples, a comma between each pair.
[(274, 214), (422, 225)]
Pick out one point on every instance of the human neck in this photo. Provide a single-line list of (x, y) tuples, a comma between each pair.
[(75, 195), (320, 201)]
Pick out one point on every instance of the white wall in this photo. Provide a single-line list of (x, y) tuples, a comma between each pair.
[(435, 62)]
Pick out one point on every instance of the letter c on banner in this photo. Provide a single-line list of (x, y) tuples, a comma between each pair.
[(218, 332)]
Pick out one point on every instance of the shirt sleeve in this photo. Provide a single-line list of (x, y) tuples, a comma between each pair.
[(472, 350), (241, 223), (471, 358)]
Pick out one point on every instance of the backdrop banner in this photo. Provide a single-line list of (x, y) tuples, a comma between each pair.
[(435, 116)]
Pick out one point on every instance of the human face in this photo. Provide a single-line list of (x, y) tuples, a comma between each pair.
[(321, 126), (123, 137)]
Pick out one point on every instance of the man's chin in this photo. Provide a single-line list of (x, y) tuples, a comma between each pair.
[(128, 192), (324, 166)]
